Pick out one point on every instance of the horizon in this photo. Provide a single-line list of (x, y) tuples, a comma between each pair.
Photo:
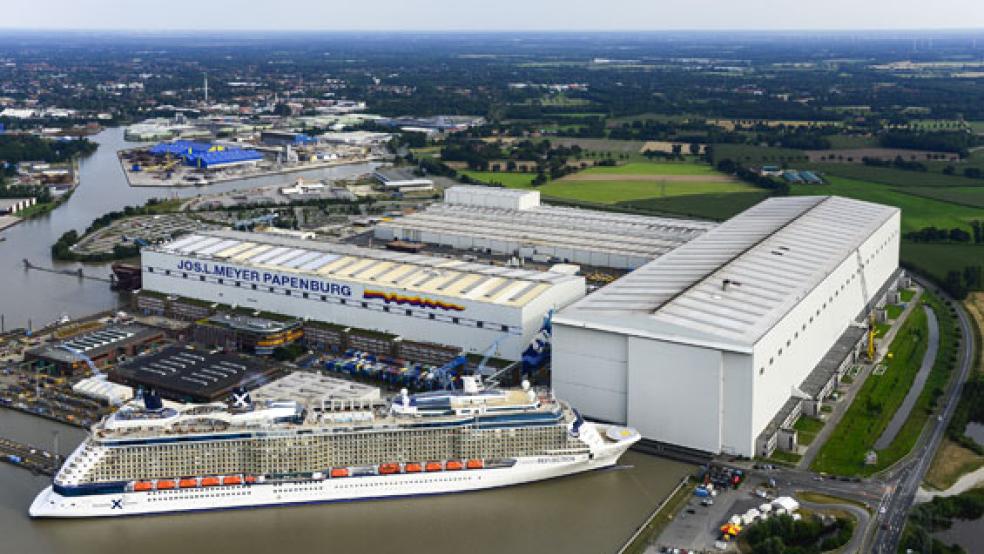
[(504, 16)]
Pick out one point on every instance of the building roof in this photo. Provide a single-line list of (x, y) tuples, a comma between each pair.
[(369, 267), (615, 233), (312, 388), (728, 287), (191, 373), (94, 343)]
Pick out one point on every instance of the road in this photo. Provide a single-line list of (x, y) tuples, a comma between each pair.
[(905, 478)]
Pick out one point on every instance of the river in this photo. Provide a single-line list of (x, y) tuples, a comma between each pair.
[(589, 513), (38, 297)]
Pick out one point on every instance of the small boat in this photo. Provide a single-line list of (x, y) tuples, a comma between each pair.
[(474, 464), (389, 469), (433, 466), (210, 481), (453, 465), (412, 467), (339, 472), (250, 479), (188, 483), (232, 480), (141, 486), (165, 484)]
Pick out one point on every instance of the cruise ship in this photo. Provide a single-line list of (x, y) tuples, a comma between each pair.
[(148, 458)]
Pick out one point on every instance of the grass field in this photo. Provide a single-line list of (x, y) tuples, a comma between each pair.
[(808, 428), (965, 196), (935, 384), (642, 168), (718, 206), (935, 260), (896, 177), (612, 192), (916, 212), (950, 462), (874, 405), (510, 180)]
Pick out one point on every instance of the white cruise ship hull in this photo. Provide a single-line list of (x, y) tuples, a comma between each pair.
[(51, 504)]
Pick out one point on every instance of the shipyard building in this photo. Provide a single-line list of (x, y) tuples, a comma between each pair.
[(421, 298), (717, 345), (514, 223)]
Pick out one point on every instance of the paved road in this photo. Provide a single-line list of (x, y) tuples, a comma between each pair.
[(906, 477), (902, 413)]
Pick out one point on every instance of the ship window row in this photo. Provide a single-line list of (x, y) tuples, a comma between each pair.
[(423, 314)]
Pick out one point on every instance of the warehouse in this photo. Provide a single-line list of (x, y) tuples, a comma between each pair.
[(442, 300), (204, 155), (514, 223), (705, 346)]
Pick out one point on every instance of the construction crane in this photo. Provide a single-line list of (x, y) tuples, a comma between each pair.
[(538, 352), (867, 299)]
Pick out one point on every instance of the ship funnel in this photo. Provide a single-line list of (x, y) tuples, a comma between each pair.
[(152, 401)]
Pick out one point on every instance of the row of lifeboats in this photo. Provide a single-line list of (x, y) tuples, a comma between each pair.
[(192, 483), (334, 473)]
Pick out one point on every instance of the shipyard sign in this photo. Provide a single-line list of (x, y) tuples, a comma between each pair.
[(265, 277)]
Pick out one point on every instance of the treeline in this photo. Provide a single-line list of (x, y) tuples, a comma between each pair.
[(62, 250), (810, 535), (959, 283), (777, 187), (959, 142), (956, 234), (22, 148), (938, 515)]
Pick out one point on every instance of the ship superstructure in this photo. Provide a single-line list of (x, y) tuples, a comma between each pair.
[(155, 459)]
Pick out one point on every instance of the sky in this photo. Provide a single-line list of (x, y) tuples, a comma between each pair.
[(492, 15)]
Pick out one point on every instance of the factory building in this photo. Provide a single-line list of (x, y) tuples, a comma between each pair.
[(514, 223), (713, 345), (422, 298), (204, 155), (101, 347)]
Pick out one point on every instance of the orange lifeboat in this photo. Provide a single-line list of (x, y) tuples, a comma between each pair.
[(433, 466), (188, 483), (141, 486), (232, 480), (210, 481), (165, 484), (475, 464), (453, 465), (250, 479), (389, 469), (412, 467), (339, 472)]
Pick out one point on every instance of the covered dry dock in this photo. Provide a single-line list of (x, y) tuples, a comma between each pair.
[(514, 223), (422, 298), (704, 346)]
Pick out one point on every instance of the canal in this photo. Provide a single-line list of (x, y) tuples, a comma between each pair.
[(38, 297)]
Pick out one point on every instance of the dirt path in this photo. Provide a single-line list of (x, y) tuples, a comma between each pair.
[(650, 178)]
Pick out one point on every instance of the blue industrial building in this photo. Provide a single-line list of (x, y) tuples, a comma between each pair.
[(204, 155)]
